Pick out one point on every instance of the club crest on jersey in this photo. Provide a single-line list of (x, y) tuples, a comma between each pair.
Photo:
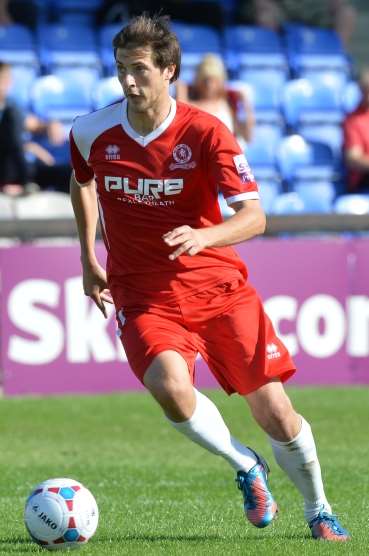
[(243, 168), (182, 155), (112, 152)]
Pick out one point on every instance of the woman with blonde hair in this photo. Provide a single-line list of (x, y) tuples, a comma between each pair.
[(210, 93)]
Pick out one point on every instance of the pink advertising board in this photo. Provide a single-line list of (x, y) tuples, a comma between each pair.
[(53, 340)]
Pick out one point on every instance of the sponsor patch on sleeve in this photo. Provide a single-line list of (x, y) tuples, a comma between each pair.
[(243, 168)]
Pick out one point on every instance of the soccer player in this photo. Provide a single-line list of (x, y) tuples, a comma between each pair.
[(151, 168)]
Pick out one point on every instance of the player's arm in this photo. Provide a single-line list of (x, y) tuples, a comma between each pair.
[(84, 202), (248, 221)]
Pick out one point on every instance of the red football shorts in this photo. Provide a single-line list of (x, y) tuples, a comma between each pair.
[(226, 324)]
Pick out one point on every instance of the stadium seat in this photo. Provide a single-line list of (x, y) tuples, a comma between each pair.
[(45, 204), (266, 97), (22, 80), (275, 77), (352, 204), (225, 210), (17, 46), (261, 154), (351, 96), (269, 191), (61, 99), (195, 41), (106, 92), (329, 134), (317, 196), (86, 76), (253, 47), (311, 102), (301, 160), (288, 203), (313, 48), (67, 45), (76, 11), (105, 39), (6, 207)]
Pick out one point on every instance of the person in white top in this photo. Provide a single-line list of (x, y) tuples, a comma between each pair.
[(210, 93)]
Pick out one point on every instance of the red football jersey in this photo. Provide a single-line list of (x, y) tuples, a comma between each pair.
[(146, 186)]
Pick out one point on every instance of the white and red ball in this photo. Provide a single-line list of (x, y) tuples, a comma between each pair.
[(61, 513)]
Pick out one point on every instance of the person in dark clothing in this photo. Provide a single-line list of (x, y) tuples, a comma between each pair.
[(15, 169), (13, 166)]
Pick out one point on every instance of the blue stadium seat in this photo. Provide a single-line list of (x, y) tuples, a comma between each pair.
[(351, 96), (23, 78), (288, 203), (352, 204), (329, 134), (195, 41), (274, 76), (261, 154), (76, 11), (61, 99), (317, 196), (313, 48), (67, 45), (269, 191), (311, 102), (266, 98), (302, 160), (86, 76), (253, 47), (105, 39), (107, 91), (17, 45), (225, 210)]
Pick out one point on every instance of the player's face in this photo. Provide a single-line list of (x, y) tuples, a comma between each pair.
[(144, 84)]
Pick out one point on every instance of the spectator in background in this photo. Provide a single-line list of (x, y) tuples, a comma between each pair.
[(24, 12), (337, 14), (16, 173), (210, 93), (356, 141), (13, 166)]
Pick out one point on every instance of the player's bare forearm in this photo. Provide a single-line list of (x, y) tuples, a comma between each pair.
[(249, 221), (85, 210)]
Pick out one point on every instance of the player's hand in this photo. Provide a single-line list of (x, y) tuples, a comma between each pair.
[(189, 240), (95, 286)]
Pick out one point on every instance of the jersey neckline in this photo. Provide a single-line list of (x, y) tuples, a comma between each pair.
[(146, 140)]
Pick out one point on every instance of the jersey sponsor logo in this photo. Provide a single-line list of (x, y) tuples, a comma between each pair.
[(272, 351), (112, 152), (182, 155), (144, 187), (243, 168)]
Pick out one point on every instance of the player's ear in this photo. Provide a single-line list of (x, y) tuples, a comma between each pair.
[(169, 72)]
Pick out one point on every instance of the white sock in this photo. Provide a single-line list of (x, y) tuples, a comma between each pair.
[(298, 458), (207, 428)]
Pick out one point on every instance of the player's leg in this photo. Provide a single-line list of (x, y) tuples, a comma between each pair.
[(190, 412), (161, 352), (295, 451)]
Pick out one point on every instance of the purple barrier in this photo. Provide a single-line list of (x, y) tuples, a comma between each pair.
[(54, 340)]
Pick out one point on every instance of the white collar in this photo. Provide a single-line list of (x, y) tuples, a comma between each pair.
[(145, 140)]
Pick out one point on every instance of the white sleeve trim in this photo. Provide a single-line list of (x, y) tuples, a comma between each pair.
[(81, 184), (243, 197)]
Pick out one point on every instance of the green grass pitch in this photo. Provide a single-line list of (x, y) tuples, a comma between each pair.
[(160, 494)]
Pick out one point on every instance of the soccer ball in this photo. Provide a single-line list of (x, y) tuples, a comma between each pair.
[(61, 513)]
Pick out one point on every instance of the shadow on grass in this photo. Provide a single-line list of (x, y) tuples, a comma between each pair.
[(17, 545), (150, 537)]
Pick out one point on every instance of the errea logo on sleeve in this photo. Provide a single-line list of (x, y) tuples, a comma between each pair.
[(243, 168)]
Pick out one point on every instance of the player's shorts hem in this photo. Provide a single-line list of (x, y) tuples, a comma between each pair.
[(283, 376), (141, 370)]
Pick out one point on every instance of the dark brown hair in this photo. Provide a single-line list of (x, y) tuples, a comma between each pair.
[(153, 31)]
